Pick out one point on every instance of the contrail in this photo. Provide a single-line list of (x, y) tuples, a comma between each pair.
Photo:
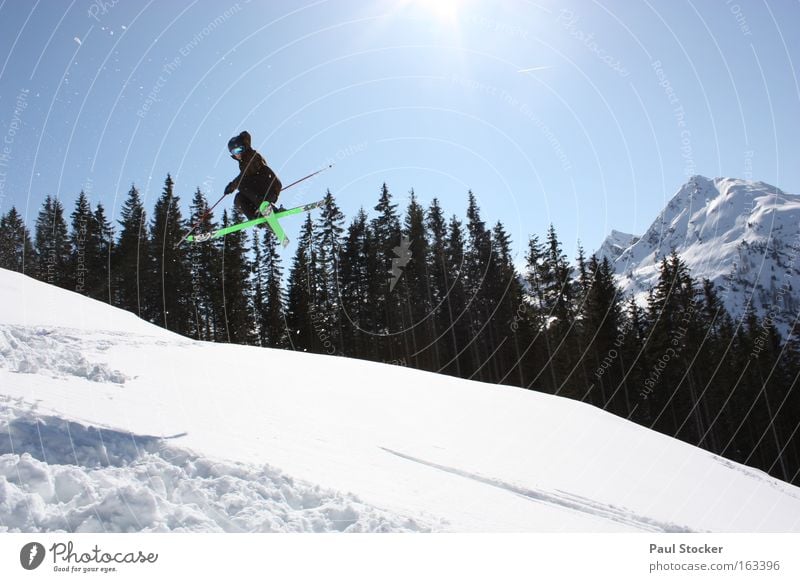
[(535, 69)]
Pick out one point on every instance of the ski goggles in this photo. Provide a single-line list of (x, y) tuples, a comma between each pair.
[(237, 150)]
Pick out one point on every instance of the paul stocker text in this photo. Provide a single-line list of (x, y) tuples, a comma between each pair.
[(685, 549)]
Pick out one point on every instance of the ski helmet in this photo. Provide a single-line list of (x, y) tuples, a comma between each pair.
[(235, 145), (239, 143)]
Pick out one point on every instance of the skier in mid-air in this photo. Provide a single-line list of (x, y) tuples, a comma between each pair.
[(259, 189), (256, 181)]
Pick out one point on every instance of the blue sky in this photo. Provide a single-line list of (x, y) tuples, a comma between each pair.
[(587, 115)]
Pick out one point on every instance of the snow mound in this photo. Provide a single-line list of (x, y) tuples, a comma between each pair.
[(59, 475), (32, 303), (44, 351)]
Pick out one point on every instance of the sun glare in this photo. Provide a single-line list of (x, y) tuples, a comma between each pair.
[(442, 10)]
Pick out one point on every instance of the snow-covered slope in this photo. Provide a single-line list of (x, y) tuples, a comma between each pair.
[(742, 235), (108, 423)]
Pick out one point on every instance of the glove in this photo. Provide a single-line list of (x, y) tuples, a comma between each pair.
[(230, 188)]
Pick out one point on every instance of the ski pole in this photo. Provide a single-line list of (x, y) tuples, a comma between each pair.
[(306, 178)]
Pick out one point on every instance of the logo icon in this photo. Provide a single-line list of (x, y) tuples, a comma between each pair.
[(403, 255), (32, 555)]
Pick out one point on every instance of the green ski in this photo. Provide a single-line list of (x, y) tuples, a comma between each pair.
[(271, 220)]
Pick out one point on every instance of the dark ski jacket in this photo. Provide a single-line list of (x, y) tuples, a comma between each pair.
[(254, 173)]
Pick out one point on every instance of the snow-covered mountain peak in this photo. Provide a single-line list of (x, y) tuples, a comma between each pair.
[(615, 244), (742, 235)]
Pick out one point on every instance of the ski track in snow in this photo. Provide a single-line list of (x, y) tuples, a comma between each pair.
[(560, 499), (59, 475), (758, 474)]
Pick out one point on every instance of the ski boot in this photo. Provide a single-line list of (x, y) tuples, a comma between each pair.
[(266, 208)]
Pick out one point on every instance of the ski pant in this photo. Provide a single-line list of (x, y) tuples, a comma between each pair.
[(248, 199)]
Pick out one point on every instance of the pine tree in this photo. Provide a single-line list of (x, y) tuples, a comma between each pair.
[(534, 266), (580, 377), (378, 348), (206, 302), (301, 294), (537, 353), (530, 321), (783, 427), (16, 248), (411, 260), (477, 259), (458, 325), (735, 419), (557, 282), (129, 259), (438, 282), (713, 371), (386, 226), (602, 336), (327, 244), (170, 274), (507, 327), (81, 238), (239, 323), (259, 285), (99, 253), (634, 361), (768, 391), (479, 248), (385, 234), (583, 284), (673, 340), (51, 244), (273, 321), (354, 279), (555, 297)]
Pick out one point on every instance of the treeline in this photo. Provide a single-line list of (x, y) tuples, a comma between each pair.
[(422, 289)]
